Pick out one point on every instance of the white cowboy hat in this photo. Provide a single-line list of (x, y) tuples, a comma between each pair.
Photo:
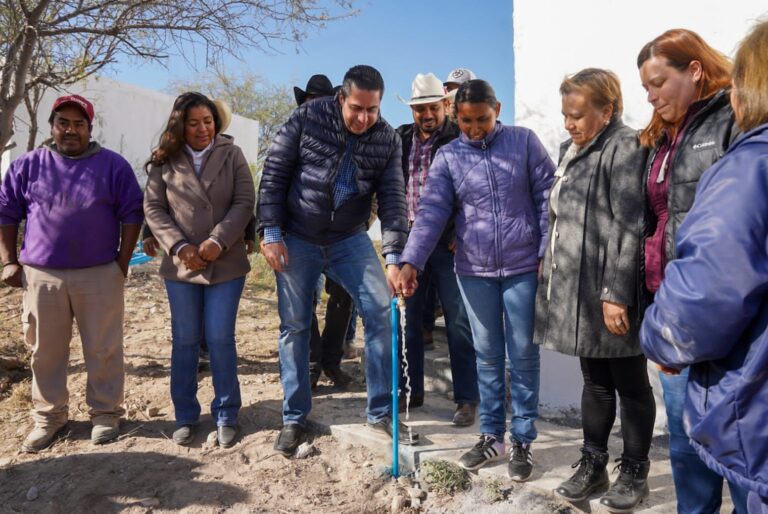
[(425, 89)]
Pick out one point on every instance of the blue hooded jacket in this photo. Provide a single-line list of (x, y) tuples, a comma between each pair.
[(711, 313)]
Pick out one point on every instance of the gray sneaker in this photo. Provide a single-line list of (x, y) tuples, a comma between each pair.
[(41, 438), (103, 432)]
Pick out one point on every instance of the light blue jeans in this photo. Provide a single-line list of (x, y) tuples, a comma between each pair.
[(354, 265), (698, 488), (501, 315), (204, 312)]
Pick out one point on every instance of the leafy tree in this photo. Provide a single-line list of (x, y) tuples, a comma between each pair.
[(52, 43)]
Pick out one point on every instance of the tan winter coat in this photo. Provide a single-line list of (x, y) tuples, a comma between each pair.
[(179, 207)]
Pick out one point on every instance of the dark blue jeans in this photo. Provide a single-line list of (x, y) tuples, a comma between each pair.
[(698, 488), (194, 306), (439, 272), (501, 314)]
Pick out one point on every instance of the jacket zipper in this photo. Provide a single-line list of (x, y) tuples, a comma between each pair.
[(495, 203)]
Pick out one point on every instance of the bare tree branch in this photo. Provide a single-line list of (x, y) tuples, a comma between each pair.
[(52, 43)]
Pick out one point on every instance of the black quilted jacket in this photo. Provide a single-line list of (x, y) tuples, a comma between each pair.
[(296, 186)]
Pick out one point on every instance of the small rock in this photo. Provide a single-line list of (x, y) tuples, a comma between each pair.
[(398, 503), (405, 481), (367, 464), (415, 503), (212, 439), (32, 494), (304, 451), (150, 502), (152, 412), (131, 413), (415, 492)]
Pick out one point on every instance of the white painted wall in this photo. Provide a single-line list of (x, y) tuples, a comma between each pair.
[(558, 37), (128, 120)]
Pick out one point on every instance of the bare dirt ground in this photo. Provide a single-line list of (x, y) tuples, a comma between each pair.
[(144, 471)]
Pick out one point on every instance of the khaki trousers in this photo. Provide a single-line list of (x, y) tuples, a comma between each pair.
[(94, 298)]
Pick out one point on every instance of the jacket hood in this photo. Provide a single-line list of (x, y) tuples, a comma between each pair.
[(758, 134)]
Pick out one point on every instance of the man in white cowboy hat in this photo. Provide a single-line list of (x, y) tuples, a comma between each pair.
[(455, 79), (421, 139)]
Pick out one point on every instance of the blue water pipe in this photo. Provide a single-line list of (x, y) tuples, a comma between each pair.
[(395, 385)]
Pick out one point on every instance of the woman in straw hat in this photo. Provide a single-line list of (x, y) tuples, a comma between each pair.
[(198, 201)]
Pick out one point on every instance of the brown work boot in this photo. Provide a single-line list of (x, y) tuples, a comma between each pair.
[(464, 415), (41, 437)]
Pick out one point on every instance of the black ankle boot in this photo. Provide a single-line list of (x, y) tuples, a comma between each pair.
[(630, 488), (589, 478)]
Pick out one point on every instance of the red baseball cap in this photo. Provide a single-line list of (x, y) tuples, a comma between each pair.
[(76, 101)]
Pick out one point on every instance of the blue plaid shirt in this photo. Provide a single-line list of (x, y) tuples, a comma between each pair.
[(344, 187)]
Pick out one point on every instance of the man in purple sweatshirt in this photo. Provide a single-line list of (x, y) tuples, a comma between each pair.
[(83, 211)]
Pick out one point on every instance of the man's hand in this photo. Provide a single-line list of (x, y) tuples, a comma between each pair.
[(11, 275), (276, 255), (249, 246), (393, 274), (407, 282), (616, 318), (191, 259), (151, 246), (123, 264), (209, 250)]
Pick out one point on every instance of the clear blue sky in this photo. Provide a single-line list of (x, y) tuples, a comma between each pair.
[(400, 38)]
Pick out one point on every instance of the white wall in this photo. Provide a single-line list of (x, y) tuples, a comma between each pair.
[(558, 37), (128, 120)]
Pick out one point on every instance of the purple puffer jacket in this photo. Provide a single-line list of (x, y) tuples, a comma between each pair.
[(498, 190)]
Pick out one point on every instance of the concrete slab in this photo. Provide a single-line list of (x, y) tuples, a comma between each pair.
[(557, 447)]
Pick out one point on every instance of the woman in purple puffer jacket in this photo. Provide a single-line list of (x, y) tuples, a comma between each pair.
[(495, 180)]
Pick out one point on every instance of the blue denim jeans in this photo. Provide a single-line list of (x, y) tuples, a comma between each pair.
[(439, 272), (204, 312), (698, 488), (501, 314), (354, 265)]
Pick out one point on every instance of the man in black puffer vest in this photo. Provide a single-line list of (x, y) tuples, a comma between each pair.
[(421, 139), (322, 170)]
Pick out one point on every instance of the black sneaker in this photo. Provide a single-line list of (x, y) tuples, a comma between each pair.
[(487, 450), (520, 461), (290, 437)]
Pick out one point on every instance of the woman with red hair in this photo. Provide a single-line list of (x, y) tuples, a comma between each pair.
[(692, 126)]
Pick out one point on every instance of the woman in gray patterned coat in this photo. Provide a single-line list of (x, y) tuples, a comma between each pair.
[(587, 301)]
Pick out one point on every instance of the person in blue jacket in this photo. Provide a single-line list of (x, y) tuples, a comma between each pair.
[(711, 311)]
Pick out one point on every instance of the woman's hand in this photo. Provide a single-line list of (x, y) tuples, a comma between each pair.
[(615, 316), (151, 246), (667, 371), (191, 259), (407, 282), (209, 250)]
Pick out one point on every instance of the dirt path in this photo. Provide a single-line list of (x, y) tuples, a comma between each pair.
[(144, 471)]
